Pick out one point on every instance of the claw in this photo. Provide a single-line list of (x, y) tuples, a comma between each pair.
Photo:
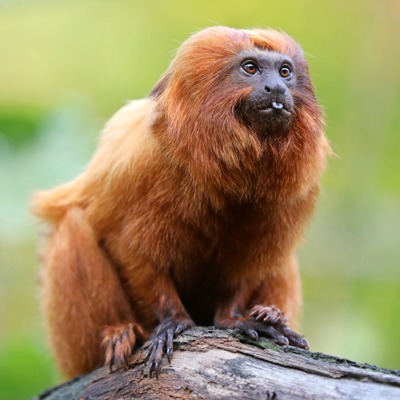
[(152, 371), (282, 340), (162, 343), (180, 328), (252, 333), (303, 343), (119, 342), (269, 314)]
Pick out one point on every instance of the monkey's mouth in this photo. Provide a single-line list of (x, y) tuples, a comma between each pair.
[(274, 108)]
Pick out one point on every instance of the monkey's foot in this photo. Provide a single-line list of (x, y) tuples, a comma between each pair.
[(119, 342), (271, 322), (161, 342)]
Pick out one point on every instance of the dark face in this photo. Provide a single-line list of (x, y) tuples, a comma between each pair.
[(269, 106)]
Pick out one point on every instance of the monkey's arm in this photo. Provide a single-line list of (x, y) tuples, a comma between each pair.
[(173, 318), (265, 285), (261, 309)]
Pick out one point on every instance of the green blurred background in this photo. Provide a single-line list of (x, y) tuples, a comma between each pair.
[(66, 66)]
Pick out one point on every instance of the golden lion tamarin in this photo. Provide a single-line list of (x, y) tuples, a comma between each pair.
[(191, 209)]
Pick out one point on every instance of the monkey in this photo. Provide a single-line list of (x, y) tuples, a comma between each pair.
[(191, 209)]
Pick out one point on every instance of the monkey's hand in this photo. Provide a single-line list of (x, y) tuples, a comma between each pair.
[(265, 321), (161, 342), (119, 342), (270, 321)]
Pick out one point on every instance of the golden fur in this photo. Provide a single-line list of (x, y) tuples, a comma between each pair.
[(184, 212)]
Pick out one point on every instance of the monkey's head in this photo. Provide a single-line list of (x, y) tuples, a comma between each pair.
[(229, 95), (269, 77)]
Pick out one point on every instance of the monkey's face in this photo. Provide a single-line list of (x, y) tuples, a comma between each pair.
[(269, 78)]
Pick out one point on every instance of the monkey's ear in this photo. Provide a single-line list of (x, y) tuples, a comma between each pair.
[(160, 86)]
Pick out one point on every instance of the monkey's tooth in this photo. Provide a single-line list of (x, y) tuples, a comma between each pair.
[(277, 106)]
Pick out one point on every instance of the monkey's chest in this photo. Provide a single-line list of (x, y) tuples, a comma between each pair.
[(204, 278), (199, 295)]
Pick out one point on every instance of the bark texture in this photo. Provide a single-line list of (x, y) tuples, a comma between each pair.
[(213, 364)]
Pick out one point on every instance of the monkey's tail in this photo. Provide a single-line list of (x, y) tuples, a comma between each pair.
[(51, 205)]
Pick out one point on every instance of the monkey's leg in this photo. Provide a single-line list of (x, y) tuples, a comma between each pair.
[(281, 287), (81, 296)]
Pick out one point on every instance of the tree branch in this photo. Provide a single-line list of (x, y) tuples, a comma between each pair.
[(214, 364)]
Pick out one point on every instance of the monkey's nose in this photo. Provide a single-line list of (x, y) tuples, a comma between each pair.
[(275, 89)]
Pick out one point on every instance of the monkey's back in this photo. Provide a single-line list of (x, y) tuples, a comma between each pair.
[(112, 167)]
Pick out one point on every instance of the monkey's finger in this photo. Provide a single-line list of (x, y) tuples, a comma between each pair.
[(152, 349), (149, 351), (180, 328), (130, 334), (124, 350), (170, 344), (267, 314), (295, 339), (155, 360), (155, 369), (109, 354), (125, 362), (260, 315), (266, 317), (157, 356), (152, 369), (272, 319), (118, 357), (251, 333), (272, 332), (257, 311)]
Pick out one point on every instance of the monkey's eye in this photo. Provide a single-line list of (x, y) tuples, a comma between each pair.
[(250, 67), (285, 71)]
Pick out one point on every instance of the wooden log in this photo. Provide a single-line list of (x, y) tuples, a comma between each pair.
[(214, 364)]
